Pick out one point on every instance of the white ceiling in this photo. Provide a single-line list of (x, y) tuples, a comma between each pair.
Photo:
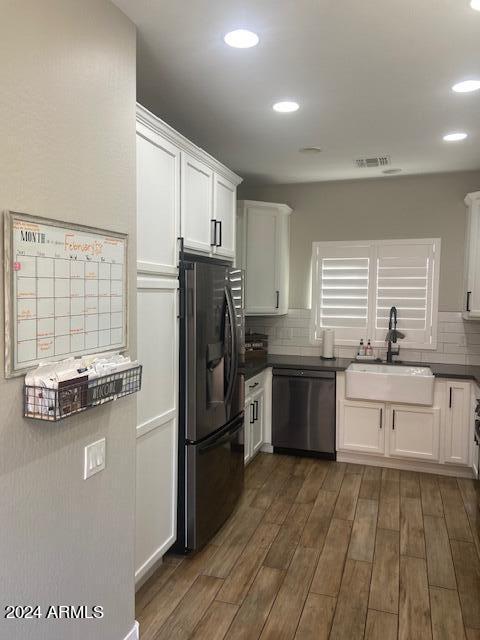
[(373, 77)]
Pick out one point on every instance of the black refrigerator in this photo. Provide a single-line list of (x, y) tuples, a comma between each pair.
[(211, 424)]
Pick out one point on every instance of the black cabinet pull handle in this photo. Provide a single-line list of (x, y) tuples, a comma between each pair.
[(381, 418), (277, 305), (218, 223), (255, 411), (469, 293), (252, 386), (393, 420), (450, 399), (252, 413), (213, 241)]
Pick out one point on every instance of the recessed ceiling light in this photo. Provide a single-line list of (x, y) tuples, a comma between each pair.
[(286, 106), (311, 150), (475, 4), (455, 137), (391, 172), (241, 39), (466, 86)]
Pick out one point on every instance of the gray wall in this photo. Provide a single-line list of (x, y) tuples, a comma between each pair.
[(400, 207), (67, 140)]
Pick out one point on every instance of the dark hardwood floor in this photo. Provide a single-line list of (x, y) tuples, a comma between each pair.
[(327, 550)]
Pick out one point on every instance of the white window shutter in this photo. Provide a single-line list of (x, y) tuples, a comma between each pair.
[(407, 278), (341, 290)]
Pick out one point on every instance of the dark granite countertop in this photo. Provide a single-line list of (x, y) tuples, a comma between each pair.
[(439, 370)]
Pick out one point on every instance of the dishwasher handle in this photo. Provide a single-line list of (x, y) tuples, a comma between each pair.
[(304, 373)]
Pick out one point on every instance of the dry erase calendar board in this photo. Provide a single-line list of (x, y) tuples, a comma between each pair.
[(65, 291)]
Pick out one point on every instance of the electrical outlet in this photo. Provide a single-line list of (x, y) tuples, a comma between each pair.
[(94, 458)]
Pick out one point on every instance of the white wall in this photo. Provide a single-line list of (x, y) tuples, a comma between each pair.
[(427, 206), (67, 140), (458, 341)]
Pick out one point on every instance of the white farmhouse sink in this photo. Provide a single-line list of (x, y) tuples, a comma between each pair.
[(390, 383)]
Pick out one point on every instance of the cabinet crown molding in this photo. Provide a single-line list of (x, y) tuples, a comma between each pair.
[(278, 206), (472, 198), (151, 121)]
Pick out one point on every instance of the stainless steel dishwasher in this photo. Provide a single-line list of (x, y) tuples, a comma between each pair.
[(303, 413)]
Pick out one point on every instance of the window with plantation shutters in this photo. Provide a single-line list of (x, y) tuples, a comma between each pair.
[(355, 284)]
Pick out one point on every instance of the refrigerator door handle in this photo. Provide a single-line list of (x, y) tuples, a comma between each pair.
[(222, 440), (233, 332)]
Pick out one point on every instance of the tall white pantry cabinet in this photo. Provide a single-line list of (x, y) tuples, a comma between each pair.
[(181, 192)]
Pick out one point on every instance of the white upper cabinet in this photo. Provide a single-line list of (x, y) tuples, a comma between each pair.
[(197, 205), (472, 258), (158, 203), (224, 216), (183, 192), (263, 251)]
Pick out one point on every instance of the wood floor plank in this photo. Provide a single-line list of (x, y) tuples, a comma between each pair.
[(472, 634), (272, 487), (302, 467), (439, 557), (389, 506), (166, 600), (470, 502), (334, 478), (152, 586), (384, 587), (216, 621), (412, 538), (250, 618), (414, 602), (351, 610), (371, 482), (347, 497), (458, 525), (228, 553), (354, 468), (381, 625), (409, 484), (316, 619), (183, 620), (281, 552), (362, 541), (328, 576), (447, 620), (467, 570), (431, 497), (278, 511), (287, 609), (238, 582), (318, 522), (312, 483)]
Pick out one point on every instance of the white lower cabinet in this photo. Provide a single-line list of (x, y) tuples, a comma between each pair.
[(414, 432), (440, 434), (258, 399), (362, 427), (458, 413)]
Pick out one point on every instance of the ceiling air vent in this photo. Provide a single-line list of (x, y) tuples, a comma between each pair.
[(370, 163)]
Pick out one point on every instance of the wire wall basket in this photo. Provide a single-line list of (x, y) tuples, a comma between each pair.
[(75, 396)]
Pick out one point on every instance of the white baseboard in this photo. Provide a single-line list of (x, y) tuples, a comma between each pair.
[(134, 633), (410, 465)]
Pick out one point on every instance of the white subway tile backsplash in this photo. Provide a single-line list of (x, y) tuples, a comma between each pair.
[(458, 341)]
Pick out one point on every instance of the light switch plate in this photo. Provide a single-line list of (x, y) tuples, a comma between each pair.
[(94, 458)]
